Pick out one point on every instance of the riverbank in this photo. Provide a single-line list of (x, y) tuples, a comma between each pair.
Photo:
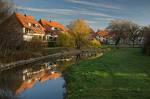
[(53, 57), (119, 73), (27, 54)]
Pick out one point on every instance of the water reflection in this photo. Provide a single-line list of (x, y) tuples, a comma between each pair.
[(23, 83), (42, 80)]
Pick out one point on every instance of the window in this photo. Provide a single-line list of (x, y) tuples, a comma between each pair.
[(36, 25), (24, 30), (53, 28), (29, 24), (27, 30)]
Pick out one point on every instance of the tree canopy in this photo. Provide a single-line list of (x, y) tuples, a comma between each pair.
[(6, 8), (79, 30), (124, 29)]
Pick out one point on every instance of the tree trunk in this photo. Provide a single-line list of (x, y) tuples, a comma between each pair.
[(133, 43), (117, 42)]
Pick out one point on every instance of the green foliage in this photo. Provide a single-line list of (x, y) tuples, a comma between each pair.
[(64, 40), (119, 74), (95, 43)]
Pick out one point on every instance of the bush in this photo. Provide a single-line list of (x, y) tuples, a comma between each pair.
[(95, 43), (64, 40)]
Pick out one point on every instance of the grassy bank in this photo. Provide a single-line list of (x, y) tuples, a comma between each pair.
[(120, 74)]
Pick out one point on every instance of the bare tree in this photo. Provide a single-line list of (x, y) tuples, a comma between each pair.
[(6, 9), (133, 32), (124, 29), (7, 38)]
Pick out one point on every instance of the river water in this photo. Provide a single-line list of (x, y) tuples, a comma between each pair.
[(43, 80)]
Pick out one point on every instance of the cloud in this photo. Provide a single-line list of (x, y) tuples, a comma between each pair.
[(105, 19), (54, 11), (90, 3), (69, 12)]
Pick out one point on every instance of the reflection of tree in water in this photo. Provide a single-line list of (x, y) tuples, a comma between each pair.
[(8, 84), (7, 94), (10, 80)]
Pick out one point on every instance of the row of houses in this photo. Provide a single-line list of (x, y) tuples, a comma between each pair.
[(44, 30), (47, 31), (30, 28), (107, 37)]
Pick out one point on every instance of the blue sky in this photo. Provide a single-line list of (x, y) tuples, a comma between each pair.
[(97, 13)]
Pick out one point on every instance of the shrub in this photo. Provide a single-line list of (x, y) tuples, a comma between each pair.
[(95, 43), (64, 40)]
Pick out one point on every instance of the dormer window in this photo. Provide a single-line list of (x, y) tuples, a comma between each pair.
[(29, 24), (53, 28), (36, 25)]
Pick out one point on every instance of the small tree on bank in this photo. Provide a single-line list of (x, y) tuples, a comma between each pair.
[(79, 30)]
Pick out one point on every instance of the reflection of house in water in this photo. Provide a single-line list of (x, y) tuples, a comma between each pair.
[(30, 77)]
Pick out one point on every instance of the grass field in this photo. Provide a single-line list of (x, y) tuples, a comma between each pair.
[(120, 74)]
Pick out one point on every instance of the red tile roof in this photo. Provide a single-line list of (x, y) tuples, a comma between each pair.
[(49, 24), (102, 33), (45, 24), (25, 20), (58, 25)]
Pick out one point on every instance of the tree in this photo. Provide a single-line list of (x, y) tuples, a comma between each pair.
[(6, 8), (118, 28), (124, 29), (7, 39), (95, 43), (64, 40), (133, 32), (146, 32), (79, 30)]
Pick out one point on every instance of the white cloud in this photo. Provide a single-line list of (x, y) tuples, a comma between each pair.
[(89, 3), (105, 19), (68, 12), (54, 11)]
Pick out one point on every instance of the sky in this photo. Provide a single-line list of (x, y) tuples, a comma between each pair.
[(97, 13)]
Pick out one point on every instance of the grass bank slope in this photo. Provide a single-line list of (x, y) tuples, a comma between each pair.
[(120, 74)]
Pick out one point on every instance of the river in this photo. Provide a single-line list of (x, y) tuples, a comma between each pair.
[(43, 80)]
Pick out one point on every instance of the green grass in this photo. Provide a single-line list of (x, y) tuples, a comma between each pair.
[(120, 74)]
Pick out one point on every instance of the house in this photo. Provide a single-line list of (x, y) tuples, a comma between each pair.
[(30, 27), (52, 30), (26, 25), (104, 36)]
